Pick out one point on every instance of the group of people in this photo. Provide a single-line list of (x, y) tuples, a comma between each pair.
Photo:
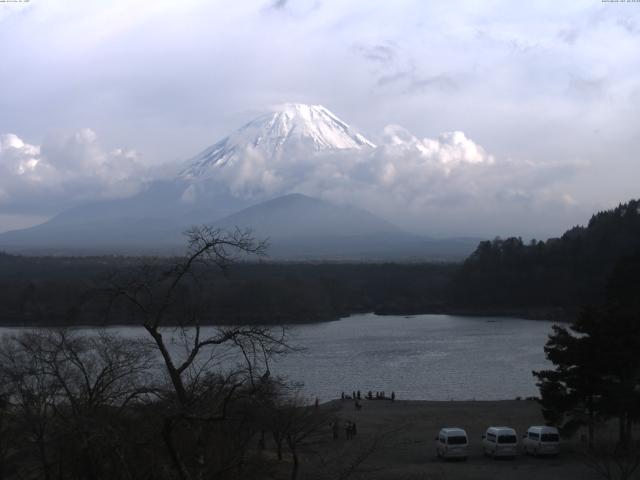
[(350, 429), (381, 396), (356, 395)]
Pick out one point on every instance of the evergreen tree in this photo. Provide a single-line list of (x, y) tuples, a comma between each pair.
[(571, 394), (597, 361)]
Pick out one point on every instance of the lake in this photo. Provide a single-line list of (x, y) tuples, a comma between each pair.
[(420, 357)]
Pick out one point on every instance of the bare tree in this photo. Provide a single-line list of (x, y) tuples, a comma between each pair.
[(343, 464), (69, 391), (6, 431), (32, 397), (293, 422), (304, 423), (166, 302), (91, 371), (613, 462)]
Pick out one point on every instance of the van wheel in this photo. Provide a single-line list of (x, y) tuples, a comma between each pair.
[(535, 453)]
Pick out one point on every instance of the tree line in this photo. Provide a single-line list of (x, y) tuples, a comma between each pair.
[(565, 272), (50, 291)]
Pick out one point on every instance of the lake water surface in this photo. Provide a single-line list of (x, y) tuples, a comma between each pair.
[(421, 357)]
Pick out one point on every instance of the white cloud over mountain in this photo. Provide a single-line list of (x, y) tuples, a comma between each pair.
[(63, 170), (448, 182), (445, 184)]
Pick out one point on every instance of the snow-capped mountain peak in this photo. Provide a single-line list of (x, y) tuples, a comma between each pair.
[(291, 128)]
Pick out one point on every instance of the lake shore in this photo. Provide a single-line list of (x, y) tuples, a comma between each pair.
[(402, 435), (551, 314)]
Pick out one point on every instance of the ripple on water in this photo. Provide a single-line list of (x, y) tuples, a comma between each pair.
[(436, 357)]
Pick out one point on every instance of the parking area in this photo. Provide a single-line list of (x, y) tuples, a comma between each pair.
[(404, 433)]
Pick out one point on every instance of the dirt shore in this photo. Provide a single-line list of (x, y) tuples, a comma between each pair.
[(397, 439)]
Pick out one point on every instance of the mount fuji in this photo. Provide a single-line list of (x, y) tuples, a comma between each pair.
[(243, 180), (292, 130)]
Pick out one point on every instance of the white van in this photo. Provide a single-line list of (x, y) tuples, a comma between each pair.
[(452, 443), (541, 441), (500, 442)]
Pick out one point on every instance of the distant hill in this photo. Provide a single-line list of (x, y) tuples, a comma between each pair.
[(148, 223), (297, 215), (566, 272), (298, 227)]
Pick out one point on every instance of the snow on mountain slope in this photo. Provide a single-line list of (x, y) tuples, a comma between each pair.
[(292, 129)]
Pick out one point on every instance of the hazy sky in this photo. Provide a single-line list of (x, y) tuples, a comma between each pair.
[(94, 93)]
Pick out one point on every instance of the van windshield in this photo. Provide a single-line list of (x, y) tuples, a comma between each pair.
[(550, 437), (507, 439), (458, 440)]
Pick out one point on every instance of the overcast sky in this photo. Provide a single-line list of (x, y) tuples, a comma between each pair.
[(97, 93)]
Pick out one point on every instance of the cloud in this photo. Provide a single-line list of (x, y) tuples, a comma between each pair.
[(445, 184), (395, 66), (592, 88), (449, 183), (278, 4), (380, 53), (442, 81), (392, 78), (569, 35), (629, 24), (64, 170), (416, 84), (546, 80)]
